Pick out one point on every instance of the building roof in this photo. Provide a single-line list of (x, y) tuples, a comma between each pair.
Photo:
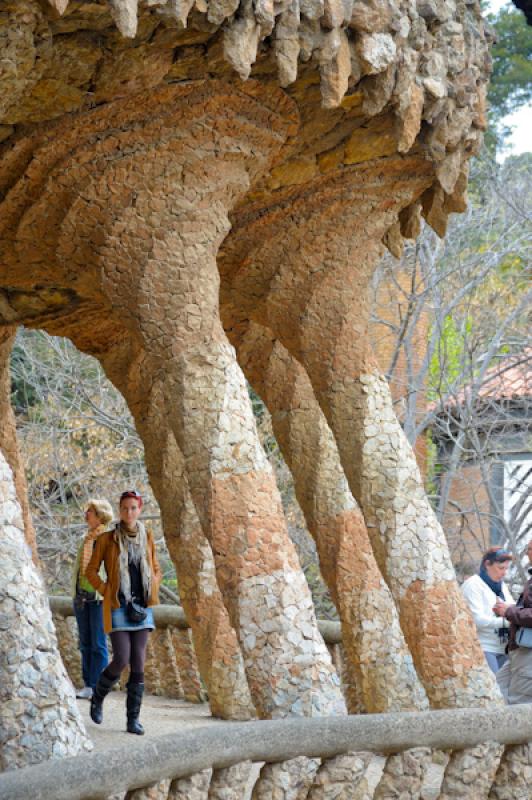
[(510, 379)]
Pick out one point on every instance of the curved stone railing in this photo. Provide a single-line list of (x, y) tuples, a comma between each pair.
[(162, 764), (171, 665)]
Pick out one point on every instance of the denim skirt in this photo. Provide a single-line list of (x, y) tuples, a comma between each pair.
[(120, 622)]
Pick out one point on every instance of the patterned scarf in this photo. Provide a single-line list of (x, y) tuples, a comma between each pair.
[(88, 546), (134, 548)]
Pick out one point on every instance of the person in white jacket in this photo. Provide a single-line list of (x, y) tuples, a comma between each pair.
[(481, 593)]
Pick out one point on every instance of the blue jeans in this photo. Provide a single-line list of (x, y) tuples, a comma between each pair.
[(495, 660), (92, 641)]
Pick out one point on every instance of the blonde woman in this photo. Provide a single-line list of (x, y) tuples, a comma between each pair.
[(131, 588), (87, 602)]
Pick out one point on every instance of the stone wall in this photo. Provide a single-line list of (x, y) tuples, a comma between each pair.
[(39, 718)]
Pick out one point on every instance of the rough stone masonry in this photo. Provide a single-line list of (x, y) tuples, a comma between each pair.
[(197, 192)]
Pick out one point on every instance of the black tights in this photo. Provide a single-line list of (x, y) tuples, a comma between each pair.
[(129, 647)]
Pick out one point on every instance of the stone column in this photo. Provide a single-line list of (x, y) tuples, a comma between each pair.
[(67, 640), (376, 652), (39, 718), (8, 436), (378, 661), (165, 654), (215, 643), (317, 307), (152, 669), (187, 665), (156, 216)]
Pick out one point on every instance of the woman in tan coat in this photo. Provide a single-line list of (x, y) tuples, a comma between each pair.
[(132, 587)]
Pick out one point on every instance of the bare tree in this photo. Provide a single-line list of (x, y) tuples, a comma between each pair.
[(78, 440), (451, 328)]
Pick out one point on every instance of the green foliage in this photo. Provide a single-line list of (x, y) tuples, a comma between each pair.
[(446, 364), (432, 467), (511, 79)]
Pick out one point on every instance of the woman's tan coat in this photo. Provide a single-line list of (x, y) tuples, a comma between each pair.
[(107, 550)]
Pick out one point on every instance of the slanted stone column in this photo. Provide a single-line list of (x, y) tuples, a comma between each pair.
[(152, 669), (8, 436), (318, 309), (156, 216), (215, 643), (187, 665), (412, 552), (378, 661), (165, 655), (67, 640), (375, 648), (39, 718)]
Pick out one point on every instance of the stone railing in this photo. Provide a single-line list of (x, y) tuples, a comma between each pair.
[(171, 666), (172, 766)]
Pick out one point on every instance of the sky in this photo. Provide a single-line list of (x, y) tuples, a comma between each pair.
[(520, 141)]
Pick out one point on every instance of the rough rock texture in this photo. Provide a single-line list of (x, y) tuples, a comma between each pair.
[(230, 783), (342, 778), (67, 639), (39, 717), (375, 649), (170, 681), (187, 665), (377, 662), (194, 788), (8, 436), (153, 204), (158, 791), (512, 781), (218, 653)]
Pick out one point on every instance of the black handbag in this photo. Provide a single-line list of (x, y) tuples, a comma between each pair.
[(135, 612)]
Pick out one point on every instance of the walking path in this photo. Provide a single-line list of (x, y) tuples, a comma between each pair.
[(161, 715)]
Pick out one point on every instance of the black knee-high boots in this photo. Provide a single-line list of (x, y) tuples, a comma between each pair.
[(135, 692), (101, 690)]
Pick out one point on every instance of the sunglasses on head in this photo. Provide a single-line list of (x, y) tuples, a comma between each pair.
[(131, 493), (500, 556)]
